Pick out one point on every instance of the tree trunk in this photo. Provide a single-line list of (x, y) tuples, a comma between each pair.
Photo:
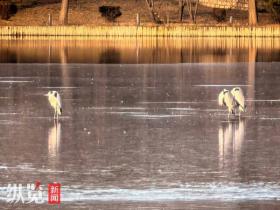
[(154, 15), (252, 13), (63, 17), (189, 6), (181, 9), (192, 9), (195, 11)]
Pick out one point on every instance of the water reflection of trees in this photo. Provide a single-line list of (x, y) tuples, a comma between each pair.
[(110, 55), (252, 55), (136, 50)]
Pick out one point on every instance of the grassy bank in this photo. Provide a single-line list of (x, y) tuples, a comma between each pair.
[(86, 12), (141, 31)]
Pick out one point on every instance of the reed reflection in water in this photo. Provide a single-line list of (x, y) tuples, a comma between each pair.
[(139, 50)]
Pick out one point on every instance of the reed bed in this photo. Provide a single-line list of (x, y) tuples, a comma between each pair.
[(140, 42), (141, 31)]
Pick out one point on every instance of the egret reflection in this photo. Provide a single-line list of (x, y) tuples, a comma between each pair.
[(54, 140), (231, 138)]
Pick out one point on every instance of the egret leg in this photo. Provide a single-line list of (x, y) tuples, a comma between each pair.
[(54, 114), (229, 113)]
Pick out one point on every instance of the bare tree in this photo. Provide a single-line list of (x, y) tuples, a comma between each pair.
[(252, 13), (154, 15), (63, 16), (191, 5)]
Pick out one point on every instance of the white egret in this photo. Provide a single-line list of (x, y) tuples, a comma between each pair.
[(239, 99), (55, 102), (226, 99)]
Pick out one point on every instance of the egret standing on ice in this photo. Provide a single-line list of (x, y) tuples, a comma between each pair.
[(226, 99), (55, 101), (239, 99)]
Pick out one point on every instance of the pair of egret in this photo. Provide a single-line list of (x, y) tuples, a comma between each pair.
[(233, 100)]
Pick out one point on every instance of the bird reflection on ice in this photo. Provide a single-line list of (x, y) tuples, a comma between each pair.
[(54, 140), (231, 138)]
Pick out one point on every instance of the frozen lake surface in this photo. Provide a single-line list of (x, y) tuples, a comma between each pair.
[(142, 136)]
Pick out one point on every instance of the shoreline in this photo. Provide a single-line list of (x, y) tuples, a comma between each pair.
[(140, 31)]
